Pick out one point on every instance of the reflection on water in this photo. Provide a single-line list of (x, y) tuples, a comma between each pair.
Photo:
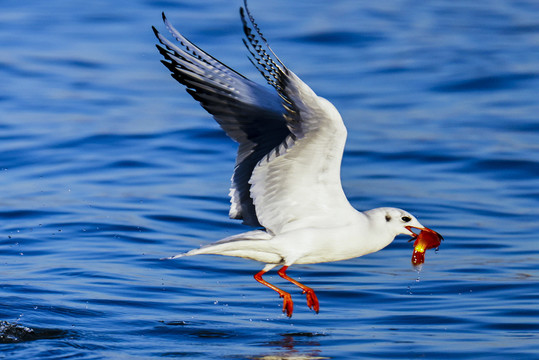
[(286, 347)]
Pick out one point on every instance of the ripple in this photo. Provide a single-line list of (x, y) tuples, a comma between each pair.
[(336, 38), (486, 83), (107, 165)]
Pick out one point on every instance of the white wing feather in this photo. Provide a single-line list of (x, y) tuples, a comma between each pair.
[(299, 181)]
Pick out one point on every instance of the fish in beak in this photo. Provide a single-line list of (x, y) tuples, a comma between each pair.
[(426, 239)]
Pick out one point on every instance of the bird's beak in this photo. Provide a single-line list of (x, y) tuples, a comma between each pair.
[(414, 235)]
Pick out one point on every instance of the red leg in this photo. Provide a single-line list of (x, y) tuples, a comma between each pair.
[(312, 300), (288, 305)]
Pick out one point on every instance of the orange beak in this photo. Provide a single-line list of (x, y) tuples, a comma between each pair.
[(426, 239)]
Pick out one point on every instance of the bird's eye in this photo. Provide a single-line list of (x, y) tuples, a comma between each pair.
[(406, 218)]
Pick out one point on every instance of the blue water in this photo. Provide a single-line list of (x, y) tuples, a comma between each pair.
[(107, 165)]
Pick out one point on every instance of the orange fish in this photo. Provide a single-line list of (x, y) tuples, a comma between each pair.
[(427, 239)]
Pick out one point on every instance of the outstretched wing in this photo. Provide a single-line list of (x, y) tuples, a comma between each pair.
[(300, 178), (290, 141), (248, 112)]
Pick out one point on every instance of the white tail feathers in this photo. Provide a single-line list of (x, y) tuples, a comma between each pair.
[(174, 257), (203, 250), (250, 244)]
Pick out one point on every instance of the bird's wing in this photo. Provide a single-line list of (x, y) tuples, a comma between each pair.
[(298, 180), (248, 112)]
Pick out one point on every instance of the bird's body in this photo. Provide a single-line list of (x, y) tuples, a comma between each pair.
[(306, 241), (286, 179)]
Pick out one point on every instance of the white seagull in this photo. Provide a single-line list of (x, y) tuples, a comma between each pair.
[(286, 180)]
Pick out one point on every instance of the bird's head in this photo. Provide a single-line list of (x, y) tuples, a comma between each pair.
[(397, 222)]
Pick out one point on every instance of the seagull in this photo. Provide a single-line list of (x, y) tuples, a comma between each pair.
[(286, 181)]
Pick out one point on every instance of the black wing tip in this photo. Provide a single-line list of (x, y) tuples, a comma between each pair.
[(262, 55), (245, 8), (169, 65), (155, 31)]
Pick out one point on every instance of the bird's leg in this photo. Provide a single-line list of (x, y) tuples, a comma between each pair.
[(312, 300), (288, 305)]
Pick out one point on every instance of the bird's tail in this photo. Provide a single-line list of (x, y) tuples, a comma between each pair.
[(226, 245)]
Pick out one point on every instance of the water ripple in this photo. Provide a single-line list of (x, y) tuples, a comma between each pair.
[(107, 165)]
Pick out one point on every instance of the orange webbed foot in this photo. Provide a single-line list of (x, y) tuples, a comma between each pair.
[(288, 304), (312, 300)]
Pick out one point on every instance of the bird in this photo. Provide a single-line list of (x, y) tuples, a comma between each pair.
[(286, 182)]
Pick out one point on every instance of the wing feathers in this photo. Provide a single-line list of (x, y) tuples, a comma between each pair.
[(249, 113), (290, 140)]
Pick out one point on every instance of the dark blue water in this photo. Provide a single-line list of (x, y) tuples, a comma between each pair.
[(107, 165)]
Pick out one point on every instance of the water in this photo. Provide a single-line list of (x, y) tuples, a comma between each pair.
[(108, 165)]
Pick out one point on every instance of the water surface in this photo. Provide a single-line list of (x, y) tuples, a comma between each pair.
[(108, 165)]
